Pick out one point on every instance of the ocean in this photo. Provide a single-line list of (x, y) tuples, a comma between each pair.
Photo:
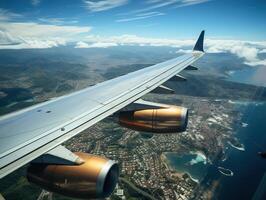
[(248, 167), (251, 75)]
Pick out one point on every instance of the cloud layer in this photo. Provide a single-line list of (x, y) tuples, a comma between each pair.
[(158, 4), (34, 35), (152, 8), (141, 16), (35, 2), (97, 6), (50, 32), (15, 35), (247, 50), (95, 45), (6, 15)]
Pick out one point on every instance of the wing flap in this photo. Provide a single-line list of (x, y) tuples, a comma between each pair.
[(178, 78), (163, 90)]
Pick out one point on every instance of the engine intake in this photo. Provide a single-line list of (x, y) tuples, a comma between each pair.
[(163, 120), (95, 178)]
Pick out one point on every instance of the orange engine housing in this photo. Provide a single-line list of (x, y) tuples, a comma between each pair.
[(96, 177), (163, 120)]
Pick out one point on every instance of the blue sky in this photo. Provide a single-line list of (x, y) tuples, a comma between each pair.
[(223, 19), (233, 26)]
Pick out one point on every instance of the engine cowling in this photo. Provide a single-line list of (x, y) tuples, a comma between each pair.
[(163, 120), (95, 178)]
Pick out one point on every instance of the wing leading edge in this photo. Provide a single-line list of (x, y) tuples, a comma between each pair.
[(29, 133)]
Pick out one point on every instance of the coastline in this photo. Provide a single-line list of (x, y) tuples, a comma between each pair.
[(180, 174), (226, 172), (168, 166), (242, 148)]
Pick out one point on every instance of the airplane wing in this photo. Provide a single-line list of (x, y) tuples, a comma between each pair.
[(27, 134)]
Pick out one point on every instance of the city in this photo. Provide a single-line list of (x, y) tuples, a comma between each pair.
[(145, 171)]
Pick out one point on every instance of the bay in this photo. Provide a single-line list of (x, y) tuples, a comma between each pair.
[(248, 167)]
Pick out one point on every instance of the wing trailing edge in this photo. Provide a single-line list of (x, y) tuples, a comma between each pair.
[(59, 155), (199, 44), (163, 90)]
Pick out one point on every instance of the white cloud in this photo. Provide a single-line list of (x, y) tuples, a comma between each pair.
[(35, 2), (136, 40), (263, 51), (81, 44), (35, 35), (97, 6), (184, 3), (247, 50), (155, 4), (95, 45), (57, 21), (31, 29), (18, 35), (184, 51), (158, 4), (6, 15), (35, 44), (141, 16), (256, 63), (7, 39), (242, 51)]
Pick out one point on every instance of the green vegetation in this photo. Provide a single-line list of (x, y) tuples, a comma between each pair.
[(15, 186), (64, 88), (121, 70), (14, 95), (213, 87)]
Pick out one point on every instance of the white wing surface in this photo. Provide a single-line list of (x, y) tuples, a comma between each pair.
[(29, 133)]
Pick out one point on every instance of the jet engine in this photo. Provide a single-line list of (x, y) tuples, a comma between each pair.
[(163, 120), (96, 177)]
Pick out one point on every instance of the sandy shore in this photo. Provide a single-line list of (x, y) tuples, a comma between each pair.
[(173, 171)]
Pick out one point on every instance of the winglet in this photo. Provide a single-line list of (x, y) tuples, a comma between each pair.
[(199, 44)]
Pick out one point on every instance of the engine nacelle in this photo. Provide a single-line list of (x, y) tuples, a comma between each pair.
[(95, 178), (163, 120)]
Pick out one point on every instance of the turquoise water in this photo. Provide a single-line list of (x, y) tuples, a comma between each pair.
[(191, 163), (247, 166)]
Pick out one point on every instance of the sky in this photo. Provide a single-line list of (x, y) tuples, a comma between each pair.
[(237, 27)]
